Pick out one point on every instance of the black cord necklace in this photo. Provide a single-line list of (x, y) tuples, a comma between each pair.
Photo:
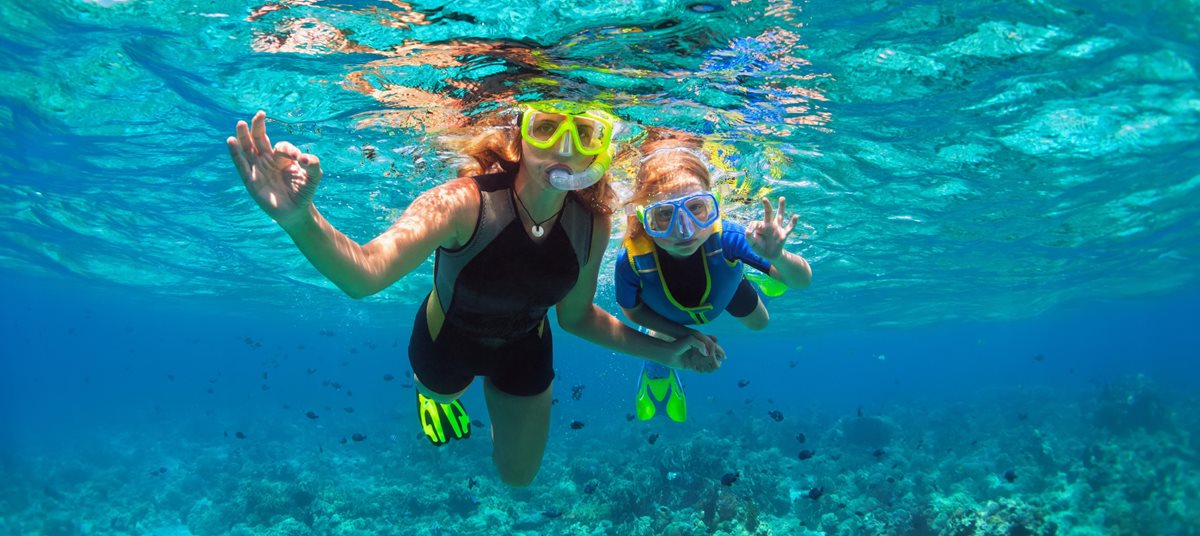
[(536, 228)]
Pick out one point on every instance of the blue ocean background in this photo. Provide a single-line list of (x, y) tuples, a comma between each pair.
[(999, 202)]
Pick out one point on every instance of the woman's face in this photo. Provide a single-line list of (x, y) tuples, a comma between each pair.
[(678, 243), (540, 162)]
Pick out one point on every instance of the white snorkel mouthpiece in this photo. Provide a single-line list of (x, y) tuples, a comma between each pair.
[(567, 180)]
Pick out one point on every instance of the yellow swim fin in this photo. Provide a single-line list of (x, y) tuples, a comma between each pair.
[(438, 419)]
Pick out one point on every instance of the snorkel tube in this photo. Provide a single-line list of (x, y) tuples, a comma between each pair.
[(568, 180), (565, 180)]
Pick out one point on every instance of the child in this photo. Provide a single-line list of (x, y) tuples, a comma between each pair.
[(682, 263)]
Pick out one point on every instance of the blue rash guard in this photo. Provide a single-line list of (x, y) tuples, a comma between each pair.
[(640, 278)]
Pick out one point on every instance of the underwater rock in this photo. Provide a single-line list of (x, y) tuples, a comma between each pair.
[(867, 431), (1131, 403)]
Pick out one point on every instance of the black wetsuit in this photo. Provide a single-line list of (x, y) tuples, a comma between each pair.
[(495, 292)]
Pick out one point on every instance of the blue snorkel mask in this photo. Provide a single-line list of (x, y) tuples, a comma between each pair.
[(681, 217)]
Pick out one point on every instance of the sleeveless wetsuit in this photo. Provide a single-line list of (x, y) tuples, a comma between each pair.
[(696, 289), (494, 293)]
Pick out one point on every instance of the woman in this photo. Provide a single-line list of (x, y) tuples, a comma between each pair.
[(682, 263), (510, 244)]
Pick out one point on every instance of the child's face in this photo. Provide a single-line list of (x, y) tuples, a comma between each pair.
[(681, 242)]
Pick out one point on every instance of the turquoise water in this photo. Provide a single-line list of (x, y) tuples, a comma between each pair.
[(998, 201)]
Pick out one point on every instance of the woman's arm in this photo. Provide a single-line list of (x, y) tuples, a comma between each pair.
[(644, 316), (283, 181), (432, 220), (579, 315)]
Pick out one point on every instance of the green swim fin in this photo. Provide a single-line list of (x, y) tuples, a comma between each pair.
[(659, 386), (766, 284), (438, 419)]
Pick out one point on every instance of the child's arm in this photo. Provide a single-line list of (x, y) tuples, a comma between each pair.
[(766, 239)]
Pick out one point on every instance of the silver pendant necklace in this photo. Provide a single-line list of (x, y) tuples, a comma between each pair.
[(536, 227)]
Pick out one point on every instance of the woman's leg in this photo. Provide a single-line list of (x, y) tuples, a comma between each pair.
[(520, 428)]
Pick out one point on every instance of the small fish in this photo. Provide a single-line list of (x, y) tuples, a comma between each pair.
[(348, 409), (162, 470), (266, 387), (388, 377), (807, 453), (226, 433), (815, 493), (591, 486), (336, 385), (358, 437), (240, 435), (406, 385), (702, 7), (577, 392), (791, 364), (629, 416), (1010, 475), (653, 438), (311, 371), (264, 375), (312, 415), (878, 453), (476, 422), (801, 438), (776, 415), (171, 377), (1022, 416), (552, 514), (1039, 357), (576, 425), (860, 411), (472, 482), (343, 441), (743, 383), (209, 390), (320, 449), (553, 401), (729, 478)]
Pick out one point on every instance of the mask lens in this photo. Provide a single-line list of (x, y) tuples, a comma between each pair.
[(591, 133), (541, 127), (701, 208), (658, 218)]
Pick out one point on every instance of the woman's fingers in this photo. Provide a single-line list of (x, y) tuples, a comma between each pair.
[(258, 131), (782, 207), (311, 165), (768, 211), (246, 142), (239, 160)]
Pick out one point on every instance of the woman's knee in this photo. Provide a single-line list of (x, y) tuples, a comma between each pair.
[(517, 475)]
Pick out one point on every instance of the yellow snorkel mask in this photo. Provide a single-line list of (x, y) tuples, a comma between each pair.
[(545, 124)]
